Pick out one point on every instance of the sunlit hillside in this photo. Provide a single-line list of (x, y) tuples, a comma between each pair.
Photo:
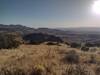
[(48, 60)]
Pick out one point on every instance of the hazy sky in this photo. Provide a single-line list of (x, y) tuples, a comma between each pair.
[(49, 13)]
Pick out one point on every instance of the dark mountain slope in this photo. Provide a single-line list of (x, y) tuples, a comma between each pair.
[(16, 28), (40, 38), (67, 34)]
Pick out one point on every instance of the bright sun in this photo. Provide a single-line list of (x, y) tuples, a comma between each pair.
[(96, 7)]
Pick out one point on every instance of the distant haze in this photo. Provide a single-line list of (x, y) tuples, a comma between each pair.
[(49, 13)]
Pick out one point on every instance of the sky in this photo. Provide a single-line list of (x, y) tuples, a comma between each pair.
[(49, 13)]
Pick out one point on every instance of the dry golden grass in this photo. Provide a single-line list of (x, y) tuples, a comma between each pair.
[(26, 58)]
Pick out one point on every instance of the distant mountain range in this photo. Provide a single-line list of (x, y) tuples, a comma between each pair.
[(69, 34), (16, 28), (24, 30), (90, 30)]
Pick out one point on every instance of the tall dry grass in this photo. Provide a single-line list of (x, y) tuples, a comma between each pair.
[(45, 60)]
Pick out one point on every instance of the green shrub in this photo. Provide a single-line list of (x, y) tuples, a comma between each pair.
[(72, 57), (75, 45), (52, 43), (8, 41), (97, 70), (84, 48), (92, 59), (67, 43)]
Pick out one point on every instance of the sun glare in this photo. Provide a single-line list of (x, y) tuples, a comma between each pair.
[(96, 7)]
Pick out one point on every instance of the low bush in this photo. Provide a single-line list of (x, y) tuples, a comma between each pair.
[(84, 48), (90, 45), (97, 70), (75, 45), (8, 41), (92, 59), (67, 43), (72, 57), (52, 43), (95, 44)]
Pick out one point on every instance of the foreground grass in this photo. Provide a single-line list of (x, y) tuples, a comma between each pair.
[(45, 60)]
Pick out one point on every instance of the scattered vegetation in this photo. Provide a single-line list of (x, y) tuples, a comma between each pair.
[(52, 43), (96, 44), (75, 45), (97, 70), (46, 60), (84, 48), (8, 40), (50, 58), (92, 59), (72, 57), (38, 70)]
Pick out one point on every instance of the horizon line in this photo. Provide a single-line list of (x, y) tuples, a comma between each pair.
[(53, 27)]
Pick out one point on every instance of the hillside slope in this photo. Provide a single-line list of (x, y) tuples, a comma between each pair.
[(67, 34), (49, 59)]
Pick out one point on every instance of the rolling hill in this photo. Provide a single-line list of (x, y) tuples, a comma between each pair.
[(67, 34)]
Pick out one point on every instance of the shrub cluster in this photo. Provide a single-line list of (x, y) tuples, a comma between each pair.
[(52, 43), (8, 41), (84, 48), (96, 44), (92, 59), (72, 57), (75, 45)]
